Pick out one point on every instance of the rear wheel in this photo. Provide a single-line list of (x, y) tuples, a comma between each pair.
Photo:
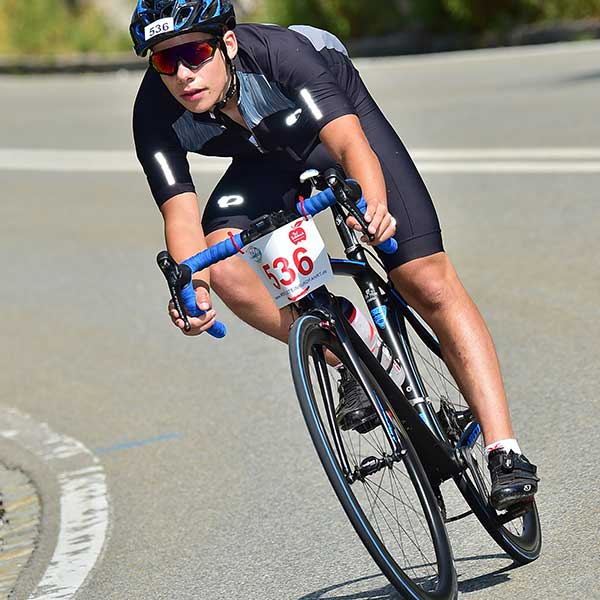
[(518, 532), (377, 477)]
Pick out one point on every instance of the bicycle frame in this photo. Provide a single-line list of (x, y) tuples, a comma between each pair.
[(443, 441), (388, 311)]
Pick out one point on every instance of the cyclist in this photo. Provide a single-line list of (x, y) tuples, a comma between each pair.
[(279, 101)]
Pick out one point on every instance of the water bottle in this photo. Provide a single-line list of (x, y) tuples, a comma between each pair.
[(371, 338)]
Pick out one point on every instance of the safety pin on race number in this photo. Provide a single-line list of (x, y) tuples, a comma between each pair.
[(291, 261)]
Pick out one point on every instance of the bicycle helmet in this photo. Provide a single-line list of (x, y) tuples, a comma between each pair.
[(156, 20)]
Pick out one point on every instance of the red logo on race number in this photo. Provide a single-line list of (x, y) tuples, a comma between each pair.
[(297, 235)]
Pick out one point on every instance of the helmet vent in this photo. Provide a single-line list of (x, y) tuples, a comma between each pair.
[(183, 15), (211, 11)]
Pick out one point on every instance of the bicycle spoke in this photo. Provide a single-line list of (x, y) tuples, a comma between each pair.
[(372, 506), (395, 507), (372, 503), (412, 539), (439, 371), (392, 495), (404, 506)]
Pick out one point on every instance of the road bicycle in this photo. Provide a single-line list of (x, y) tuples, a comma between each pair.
[(388, 476)]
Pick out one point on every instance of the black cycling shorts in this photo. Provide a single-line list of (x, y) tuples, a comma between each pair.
[(253, 187)]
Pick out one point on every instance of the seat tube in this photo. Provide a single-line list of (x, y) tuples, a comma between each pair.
[(412, 387)]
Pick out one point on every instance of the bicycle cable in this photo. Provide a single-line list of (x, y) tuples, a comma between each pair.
[(374, 256)]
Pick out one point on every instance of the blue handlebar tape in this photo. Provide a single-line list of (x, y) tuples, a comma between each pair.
[(188, 295), (216, 253), (202, 261), (389, 246), (319, 202)]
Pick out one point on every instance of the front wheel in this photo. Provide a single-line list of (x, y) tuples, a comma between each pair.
[(377, 477)]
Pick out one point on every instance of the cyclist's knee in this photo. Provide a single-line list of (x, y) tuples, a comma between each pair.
[(430, 284), (241, 290), (239, 287), (231, 282)]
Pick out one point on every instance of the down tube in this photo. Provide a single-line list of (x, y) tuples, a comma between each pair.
[(357, 354)]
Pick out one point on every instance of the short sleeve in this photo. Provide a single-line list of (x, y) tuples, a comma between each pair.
[(306, 77), (157, 147)]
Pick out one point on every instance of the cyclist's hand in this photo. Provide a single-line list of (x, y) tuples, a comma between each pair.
[(381, 223), (198, 324)]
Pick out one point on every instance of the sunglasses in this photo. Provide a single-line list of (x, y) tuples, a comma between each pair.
[(193, 55)]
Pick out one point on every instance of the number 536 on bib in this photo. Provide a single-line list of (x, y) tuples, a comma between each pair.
[(291, 261)]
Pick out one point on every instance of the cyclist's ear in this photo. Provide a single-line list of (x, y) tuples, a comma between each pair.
[(231, 44)]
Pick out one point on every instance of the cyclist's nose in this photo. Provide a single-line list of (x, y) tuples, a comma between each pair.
[(184, 73)]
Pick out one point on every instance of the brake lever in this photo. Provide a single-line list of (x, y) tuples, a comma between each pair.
[(177, 278), (348, 193)]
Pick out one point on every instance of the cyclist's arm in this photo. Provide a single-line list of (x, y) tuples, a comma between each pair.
[(183, 231), (185, 238), (304, 75), (165, 163), (346, 141)]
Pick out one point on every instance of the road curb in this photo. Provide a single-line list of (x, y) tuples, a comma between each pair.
[(422, 42), (80, 63), (20, 517), (413, 42)]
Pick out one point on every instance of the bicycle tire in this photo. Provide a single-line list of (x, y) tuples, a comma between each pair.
[(520, 538), (422, 532)]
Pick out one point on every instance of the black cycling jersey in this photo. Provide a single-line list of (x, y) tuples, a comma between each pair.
[(292, 82)]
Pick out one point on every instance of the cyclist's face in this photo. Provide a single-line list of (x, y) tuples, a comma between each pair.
[(199, 90)]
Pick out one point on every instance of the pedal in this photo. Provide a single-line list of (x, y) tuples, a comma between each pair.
[(515, 512)]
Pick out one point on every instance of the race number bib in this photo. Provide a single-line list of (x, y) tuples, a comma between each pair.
[(158, 27), (291, 261)]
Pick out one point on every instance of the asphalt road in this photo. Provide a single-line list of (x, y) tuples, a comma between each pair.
[(213, 489)]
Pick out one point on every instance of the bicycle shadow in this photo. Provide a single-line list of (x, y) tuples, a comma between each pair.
[(387, 592), (487, 580)]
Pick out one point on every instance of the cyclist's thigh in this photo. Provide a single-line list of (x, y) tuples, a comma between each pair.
[(418, 229), (250, 188), (419, 234)]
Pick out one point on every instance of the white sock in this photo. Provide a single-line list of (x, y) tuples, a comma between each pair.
[(506, 445)]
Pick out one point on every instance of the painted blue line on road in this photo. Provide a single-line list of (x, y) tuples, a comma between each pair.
[(138, 443)]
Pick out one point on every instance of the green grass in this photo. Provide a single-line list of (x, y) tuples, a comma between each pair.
[(357, 18), (50, 27)]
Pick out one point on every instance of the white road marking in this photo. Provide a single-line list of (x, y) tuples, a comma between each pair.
[(507, 154), (548, 167), (441, 160), (83, 503), (89, 161)]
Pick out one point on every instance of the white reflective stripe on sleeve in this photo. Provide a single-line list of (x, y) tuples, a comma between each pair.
[(164, 165), (312, 105)]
